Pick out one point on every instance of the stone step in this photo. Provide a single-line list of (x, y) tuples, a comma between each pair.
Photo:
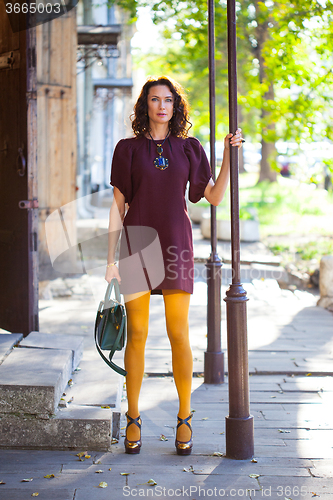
[(56, 341), (32, 380), (7, 342), (75, 427)]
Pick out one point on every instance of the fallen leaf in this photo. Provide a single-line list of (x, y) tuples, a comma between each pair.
[(70, 382), (87, 456), (217, 454), (122, 428), (152, 482), (308, 374), (163, 438), (81, 454), (314, 494), (106, 407), (254, 461), (35, 494), (26, 480), (110, 468), (99, 471), (49, 476), (204, 418), (103, 484), (114, 441), (254, 476), (125, 473), (2, 482), (283, 431), (221, 432)]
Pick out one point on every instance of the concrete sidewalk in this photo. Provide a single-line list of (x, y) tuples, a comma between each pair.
[(290, 361)]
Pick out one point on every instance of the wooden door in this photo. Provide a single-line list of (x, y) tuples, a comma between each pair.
[(18, 179)]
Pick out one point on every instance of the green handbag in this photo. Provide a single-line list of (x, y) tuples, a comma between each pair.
[(110, 326)]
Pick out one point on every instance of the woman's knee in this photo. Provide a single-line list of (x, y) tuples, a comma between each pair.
[(137, 334), (178, 335)]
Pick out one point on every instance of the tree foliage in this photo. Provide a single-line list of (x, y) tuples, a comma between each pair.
[(285, 76)]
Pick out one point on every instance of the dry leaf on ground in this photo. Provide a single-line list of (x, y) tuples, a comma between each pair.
[(49, 476), (152, 482), (103, 484), (26, 480), (35, 494), (254, 476)]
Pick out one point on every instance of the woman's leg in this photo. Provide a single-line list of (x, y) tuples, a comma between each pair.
[(177, 305), (137, 311)]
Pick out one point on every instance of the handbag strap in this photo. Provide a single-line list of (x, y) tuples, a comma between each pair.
[(109, 361)]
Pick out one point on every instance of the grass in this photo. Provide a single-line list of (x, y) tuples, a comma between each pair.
[(296, 219)]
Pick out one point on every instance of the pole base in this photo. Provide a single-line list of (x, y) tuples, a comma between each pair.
[(214, 368), (239, 434)]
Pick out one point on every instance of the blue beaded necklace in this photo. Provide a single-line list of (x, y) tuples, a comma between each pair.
[(160, 162)]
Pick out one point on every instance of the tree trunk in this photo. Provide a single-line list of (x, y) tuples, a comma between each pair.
[(268, 151)]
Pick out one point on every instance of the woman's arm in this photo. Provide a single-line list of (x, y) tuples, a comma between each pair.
[(117, 214), (214, 192)]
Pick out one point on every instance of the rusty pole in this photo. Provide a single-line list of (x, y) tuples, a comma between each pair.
[(214, 357), (239, 423)]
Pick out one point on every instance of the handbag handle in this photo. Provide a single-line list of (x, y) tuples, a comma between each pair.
[(112, 285)]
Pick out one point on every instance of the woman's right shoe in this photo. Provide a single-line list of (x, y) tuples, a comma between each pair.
[(184, 447), (133, 446)]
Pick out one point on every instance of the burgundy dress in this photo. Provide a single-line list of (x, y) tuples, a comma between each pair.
[(156, 249)]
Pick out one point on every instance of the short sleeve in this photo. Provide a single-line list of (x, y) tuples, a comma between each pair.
[(200, 171), (121, 169)]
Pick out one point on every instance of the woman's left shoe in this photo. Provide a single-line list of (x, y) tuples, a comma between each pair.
[(133, 447), (184, 447)]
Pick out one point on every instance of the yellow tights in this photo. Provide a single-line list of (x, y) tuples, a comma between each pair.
[(176, 304)]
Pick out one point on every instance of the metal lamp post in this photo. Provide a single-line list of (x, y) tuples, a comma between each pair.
[(214, 357), (239, 423)]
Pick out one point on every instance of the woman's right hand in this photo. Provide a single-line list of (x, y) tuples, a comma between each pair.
[(112, 272)]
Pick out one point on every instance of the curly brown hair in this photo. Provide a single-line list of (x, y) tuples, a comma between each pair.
[(179, 124)]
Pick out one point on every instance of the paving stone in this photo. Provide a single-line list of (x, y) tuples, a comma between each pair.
[(95, 384), (32, 380), (56, 341), (7, 342), (44, 493), (298, 487)]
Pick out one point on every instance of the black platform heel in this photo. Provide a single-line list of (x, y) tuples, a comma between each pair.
[(184, 447), (133, 446)]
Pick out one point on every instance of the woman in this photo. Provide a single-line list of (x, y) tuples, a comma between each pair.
[(149, 173)]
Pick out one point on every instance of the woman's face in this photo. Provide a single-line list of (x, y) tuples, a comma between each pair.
[(160, 104)]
